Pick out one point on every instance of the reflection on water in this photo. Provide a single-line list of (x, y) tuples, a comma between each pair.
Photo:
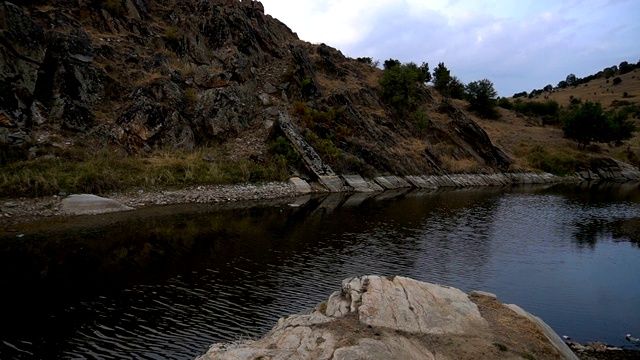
[(167, 282)]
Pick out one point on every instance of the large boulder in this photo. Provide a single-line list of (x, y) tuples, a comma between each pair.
[(375, 317), (87, 204)]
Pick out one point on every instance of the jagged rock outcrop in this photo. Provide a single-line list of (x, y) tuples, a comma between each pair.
[(612, 170), (374, 317), (142, 74)]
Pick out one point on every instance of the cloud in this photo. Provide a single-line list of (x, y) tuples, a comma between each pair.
[(518, 45)]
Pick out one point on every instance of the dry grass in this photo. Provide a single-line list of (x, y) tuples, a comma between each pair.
[(601, 90), (538, 147), (76, 170)]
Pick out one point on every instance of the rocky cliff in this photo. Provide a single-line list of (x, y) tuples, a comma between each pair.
[(374, 317), (186, 74)]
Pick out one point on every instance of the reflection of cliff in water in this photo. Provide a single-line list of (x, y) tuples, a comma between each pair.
[(68, 259), (178, 278)]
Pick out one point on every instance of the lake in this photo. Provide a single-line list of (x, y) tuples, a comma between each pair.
[(166, 282)]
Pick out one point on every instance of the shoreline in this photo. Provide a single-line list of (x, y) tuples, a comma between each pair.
[(18, 211)]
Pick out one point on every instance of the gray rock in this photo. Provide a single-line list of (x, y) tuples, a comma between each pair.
[(86, 204), (358, 183), (301, 185), (374, 317), (310, 157)]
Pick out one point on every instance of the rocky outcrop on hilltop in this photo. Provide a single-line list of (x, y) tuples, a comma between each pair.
[(145, 74), (374, 317)]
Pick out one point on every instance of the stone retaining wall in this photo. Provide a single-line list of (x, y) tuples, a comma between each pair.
[(356, 183)]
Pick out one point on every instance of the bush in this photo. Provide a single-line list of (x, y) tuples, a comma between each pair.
[(617, 81), (365, 60), (441, 79), (481, 96), (114, 7), (456, 88), (557, 164), (421, 119), (548, 111), (505, 103), (399, 86), (282, 150), (588, 123)]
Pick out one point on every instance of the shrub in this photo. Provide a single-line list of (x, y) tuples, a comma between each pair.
[(441, 79), (282, 150), (446, 106), (557, 164), (588, 122), (481, 96), (114, 7), (421, 119), (388, 64), (307, 88), (172, 36), (617, 81), (456, 88), (548, 111), (505, 103), (365, 60), (324, 147), (399, 86)]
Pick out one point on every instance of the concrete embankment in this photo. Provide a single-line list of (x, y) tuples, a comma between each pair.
[(357, 183)]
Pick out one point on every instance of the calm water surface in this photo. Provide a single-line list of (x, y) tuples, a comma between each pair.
[(165, 283)]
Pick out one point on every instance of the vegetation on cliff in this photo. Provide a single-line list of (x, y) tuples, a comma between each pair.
[(109, 95)]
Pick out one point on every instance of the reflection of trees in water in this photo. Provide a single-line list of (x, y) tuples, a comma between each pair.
[(240, 269), (589, 231)]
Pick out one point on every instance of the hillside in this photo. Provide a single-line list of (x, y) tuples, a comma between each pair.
[(534, 145), (100, 96), (601, 90)]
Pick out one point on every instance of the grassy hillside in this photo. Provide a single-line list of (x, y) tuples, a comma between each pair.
[(543, 147), (601, 90)]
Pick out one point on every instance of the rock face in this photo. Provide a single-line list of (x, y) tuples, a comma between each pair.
[(143, 74), (374, 317)]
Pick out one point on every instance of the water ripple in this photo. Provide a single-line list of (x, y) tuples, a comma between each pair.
[(549, 253)]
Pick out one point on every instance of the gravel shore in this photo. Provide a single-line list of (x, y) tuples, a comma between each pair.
[(24, 210)]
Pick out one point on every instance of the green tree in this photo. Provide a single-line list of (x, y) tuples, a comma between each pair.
[(456, 88), (625, 67), (620, 127), (388, 64), (441, 79), (399, 86), (482, 98), (585, 123), (588, 123), (424, 68), (571, 80), (422, 71)]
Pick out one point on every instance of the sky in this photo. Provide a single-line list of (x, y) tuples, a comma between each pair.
[(519, 45)]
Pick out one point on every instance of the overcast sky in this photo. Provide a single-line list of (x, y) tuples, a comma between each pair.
[(519, 45)]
